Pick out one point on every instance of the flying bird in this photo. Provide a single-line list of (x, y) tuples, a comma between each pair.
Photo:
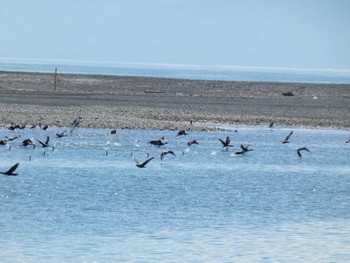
[(302, 149), (165, 153), (192, 142), (141, 165), (226, 143), (62, 134), (271, 125), (11, 170), (75, 124), (244, 149), (28, 142), (182, 132), (11, 138), (46, 144), (159, 142), (287, 138)]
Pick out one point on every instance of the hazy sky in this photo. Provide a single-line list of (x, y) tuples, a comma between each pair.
[(265, 33)]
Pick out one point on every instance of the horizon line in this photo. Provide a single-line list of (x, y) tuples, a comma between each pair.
[(169, 65)]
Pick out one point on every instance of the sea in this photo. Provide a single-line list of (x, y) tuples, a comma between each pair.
[(200, 72), (83, 199)]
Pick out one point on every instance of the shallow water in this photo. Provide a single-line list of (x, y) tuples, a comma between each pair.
[(87, 201)]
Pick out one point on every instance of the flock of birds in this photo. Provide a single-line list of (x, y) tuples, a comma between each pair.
[(225, 143)]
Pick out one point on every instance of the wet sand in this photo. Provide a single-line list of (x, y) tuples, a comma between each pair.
[(160, 103)]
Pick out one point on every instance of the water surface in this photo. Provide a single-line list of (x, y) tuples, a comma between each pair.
[(87, 201)]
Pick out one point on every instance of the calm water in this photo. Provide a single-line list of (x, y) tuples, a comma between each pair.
[(76, 203), (182, 71)]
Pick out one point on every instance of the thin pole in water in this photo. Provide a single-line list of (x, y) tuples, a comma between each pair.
[(55, 82)]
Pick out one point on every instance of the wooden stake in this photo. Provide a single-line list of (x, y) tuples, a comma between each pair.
[(55, 82)]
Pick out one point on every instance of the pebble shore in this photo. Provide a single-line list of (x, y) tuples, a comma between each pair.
[(167, 104)]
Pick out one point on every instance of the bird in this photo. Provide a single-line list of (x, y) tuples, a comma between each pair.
[(3, 142), (11, 138), (165, 153), (271, 125), (46, 144), (141, 165), (302, 149), (182, 132), (11, 170), (45, 127), (226, 143), (28, 142), (347, 141), (159, 142), (114, 131), (192, 142), (75, 124), (287, 138), (244, 149), (62, 134)]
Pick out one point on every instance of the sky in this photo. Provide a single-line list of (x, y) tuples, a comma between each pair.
[(267, 33)]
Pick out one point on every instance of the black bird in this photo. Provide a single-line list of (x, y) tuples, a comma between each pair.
[(12, 127), (114, 131), (28, 142), (271, 125), (287, 138), (75, 124), (165, 153), (347, 141), (226, 143), (45, 127), (244, 149), (46, 144), (159, 142), (62, 134), (11, 170), (11, 138), (182, 132), (302, 149), (141, 165), (7, 139), (192, 142), (33, 126)]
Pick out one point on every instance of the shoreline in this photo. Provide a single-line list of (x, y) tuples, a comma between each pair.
[(122, 102)]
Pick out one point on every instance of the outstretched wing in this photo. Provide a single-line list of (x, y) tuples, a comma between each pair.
[(12, 169), (147, 161), (134, 158), (245, 149), (228, 140), (47, 140), (41, 142), (223, 143), (298, 152), (303, 149), (290, 134), (171, 152)]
